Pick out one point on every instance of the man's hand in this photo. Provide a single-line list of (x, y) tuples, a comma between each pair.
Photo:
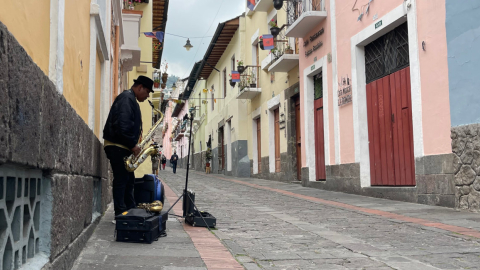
[(135, 150)]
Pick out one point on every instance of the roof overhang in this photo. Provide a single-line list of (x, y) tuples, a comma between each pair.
[(220, 41), (159, 23)]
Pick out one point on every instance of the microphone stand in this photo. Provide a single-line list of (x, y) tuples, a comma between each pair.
[(185, 194)]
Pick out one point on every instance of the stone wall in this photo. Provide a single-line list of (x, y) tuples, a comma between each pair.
[(434, 182), (287, 169), (240, 160), (40, 130), (466, 166)]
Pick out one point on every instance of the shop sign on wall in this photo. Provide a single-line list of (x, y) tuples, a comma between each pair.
[(344, 91), (311, 39)]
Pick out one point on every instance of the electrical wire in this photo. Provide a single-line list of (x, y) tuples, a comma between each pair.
[(185, 37), (191, 65)]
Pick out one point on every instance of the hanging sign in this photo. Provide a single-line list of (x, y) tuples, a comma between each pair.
[(345, 92), (268, 42), (235, 76), (251, 4)]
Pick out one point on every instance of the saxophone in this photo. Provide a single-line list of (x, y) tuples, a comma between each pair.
[(132, 162)]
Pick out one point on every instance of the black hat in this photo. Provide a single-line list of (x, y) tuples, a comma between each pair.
[(145, 81)]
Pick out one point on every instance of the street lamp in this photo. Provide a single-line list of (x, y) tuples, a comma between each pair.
[(188, 46), (174, 87)]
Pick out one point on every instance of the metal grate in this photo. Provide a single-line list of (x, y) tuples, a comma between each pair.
[(20, 217), (387, 54)]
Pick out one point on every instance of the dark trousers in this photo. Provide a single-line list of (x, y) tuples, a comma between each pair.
[(123, 180), (174, 167)]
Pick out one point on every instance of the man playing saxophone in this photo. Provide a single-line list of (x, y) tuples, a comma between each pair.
[(121, 134)]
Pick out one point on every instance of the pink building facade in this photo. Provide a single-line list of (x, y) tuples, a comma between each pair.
[(374, 95), (175, 132)]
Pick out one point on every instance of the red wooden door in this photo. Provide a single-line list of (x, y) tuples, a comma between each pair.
[(390, 130), (319, 141), (277, 140), (298, 138), (259, 145)]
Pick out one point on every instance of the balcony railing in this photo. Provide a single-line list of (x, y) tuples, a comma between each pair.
[(129, 3), (303, 16), (249, 85), (182, 130), (283, 56)]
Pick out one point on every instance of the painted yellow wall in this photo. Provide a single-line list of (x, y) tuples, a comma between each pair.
[(77, 55), (145, 45), (230, 105), (201, 110), (281, 81), (29, 22), (98, 90)]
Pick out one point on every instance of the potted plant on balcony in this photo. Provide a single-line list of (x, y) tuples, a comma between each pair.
[(274, 29), (156, 83), (260, 42), (274, 50), (240, 66), (288, 49), (165, 74)]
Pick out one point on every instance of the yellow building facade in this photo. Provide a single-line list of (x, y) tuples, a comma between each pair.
[(269, 110), (250, 123), (146, 68), (71, 43)]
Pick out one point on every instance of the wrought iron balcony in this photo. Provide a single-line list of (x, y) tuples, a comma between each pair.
[(128, 3), (303, 16), (182, 130), (283, 56), (249, 85)]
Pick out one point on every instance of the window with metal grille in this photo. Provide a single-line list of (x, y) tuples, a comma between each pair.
[(318, 86), (387, 54)]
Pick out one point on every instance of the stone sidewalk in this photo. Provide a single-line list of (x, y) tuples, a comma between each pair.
[(184, 248), (273, 225), (173, 252)]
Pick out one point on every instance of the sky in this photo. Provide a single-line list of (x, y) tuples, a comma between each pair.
[(194, 18)]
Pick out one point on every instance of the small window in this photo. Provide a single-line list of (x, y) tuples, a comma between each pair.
[(213, 98), (233, 63), (318, 86), (225, 82)]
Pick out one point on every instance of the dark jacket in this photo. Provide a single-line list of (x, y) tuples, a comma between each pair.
[(124, 121), (174, 159), (164, 159)]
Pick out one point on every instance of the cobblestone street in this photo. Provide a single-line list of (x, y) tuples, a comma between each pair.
[(264, 228)]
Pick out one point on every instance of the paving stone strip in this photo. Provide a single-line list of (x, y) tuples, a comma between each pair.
[(424, 222), (212, 252), (273, 225)]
